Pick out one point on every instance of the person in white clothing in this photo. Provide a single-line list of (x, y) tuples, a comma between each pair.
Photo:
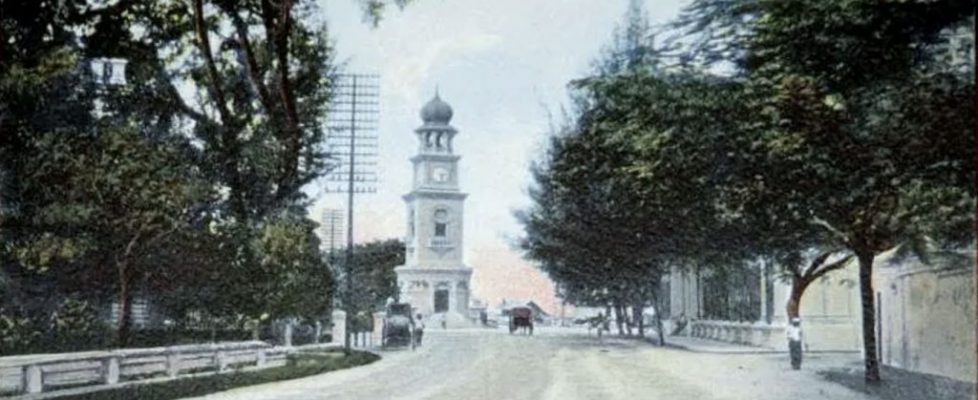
[(418, 330), (794, 334)]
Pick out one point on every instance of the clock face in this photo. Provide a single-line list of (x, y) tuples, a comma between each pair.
[(440, 174)]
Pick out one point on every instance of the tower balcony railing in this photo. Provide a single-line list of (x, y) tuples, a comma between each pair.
[(441, 242)]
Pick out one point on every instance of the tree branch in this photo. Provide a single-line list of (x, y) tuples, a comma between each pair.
[(177, 100), (833, 230), (293, 137), (161, 235), (838, 264), (254, 72), (229, 129), (204, 44), (819, 260), (135, 239)]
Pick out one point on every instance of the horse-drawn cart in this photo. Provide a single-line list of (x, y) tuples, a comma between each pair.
[(398, 329), (521, 317)]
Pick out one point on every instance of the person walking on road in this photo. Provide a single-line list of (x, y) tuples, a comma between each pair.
[(601, 323), (794, 342), (418, 330)]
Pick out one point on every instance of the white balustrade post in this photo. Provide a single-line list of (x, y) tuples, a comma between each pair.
[(220, 360), (378, 328), (33, 379), (319, 332), (110, 369), (172, 363), (339, 326), (262, 358), (288, 333)]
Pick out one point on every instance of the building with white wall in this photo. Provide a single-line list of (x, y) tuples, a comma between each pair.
[(749, 307), (925, 311)]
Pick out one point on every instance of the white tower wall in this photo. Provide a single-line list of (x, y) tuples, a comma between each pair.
[(434, 278)]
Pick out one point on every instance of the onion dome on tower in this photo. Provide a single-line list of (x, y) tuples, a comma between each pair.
[(436, 112), (435, 135)]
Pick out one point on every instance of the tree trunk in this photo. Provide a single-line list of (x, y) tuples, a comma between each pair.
[(659, 328), (627, 319), (869, 315), (639, 318), (798, 287), (621, 331), (125, 304), (795, 348)]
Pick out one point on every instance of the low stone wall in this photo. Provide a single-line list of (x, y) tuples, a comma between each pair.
[(43, 373), (820, 334), (751, 334)]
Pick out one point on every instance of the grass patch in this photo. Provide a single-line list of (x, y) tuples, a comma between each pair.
[(299, 365)]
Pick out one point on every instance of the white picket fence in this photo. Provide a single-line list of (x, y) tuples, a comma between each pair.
[(36, 373)]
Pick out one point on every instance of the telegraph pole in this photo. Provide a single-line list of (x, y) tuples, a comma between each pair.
[(353, 126)]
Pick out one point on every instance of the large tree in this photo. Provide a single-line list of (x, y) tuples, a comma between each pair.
[(291, 278), (111, 200), (374, 280), (250, 81), (225, 94), (863, 133), (628, 187)]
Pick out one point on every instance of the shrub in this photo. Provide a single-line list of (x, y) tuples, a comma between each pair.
[(18, 334), (75, 325)]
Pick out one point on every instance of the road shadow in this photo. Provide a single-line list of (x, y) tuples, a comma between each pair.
[(900, 384)]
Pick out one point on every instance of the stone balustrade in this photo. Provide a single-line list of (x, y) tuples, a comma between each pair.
[(752, 334), (37, 373)]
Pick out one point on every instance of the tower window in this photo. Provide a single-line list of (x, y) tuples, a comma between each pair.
[(441, 222)]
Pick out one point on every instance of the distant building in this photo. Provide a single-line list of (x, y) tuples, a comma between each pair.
[(434, 279)]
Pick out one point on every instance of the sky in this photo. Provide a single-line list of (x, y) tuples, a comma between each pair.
[(503, 66)]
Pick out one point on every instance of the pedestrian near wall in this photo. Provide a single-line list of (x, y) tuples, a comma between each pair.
[(794, 342), (418, 330)]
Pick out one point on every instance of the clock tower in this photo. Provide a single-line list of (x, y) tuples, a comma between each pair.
[(434, 279)]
